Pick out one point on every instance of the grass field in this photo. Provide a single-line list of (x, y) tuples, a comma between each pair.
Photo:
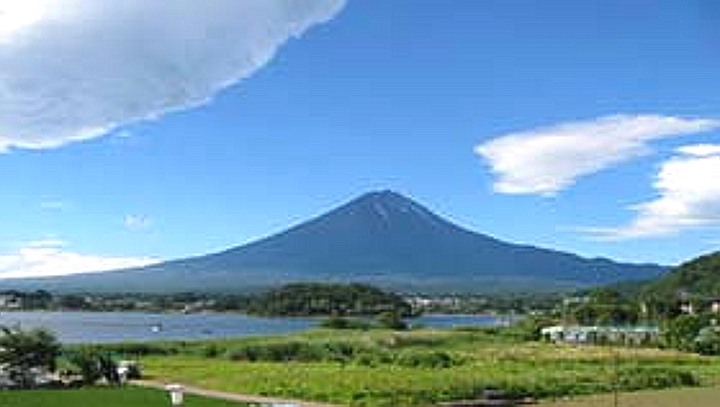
[(382, 368), (101, 397), (695, 397)]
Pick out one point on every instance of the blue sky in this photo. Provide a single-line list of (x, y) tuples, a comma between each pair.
[(139, 131)]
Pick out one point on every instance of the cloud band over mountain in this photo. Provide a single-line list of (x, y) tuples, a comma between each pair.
[(47, 258)]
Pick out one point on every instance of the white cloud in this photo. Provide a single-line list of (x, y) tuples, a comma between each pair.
[(50, 258), (74, 69), (136, 222), (18, 16), (547, 160), (688, 188), (700, 150)]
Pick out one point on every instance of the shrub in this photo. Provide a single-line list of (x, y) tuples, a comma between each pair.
[(210, 351), (87, 365), (94, 365), (339, 351), (707, 341), (337, 322), (133, 370), (374, 357), (424, 359), (528, 329), (680, 333), (392, 320), (636, 378), (140, 349)]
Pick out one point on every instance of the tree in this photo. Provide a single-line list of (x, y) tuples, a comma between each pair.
[(109, 369), (605, 295), (73, 302), (681, 332), (36, 300), (94, 365), (606, 306), (530, 328), (707, 342), (328, 299), (86, 361), (24, 352)]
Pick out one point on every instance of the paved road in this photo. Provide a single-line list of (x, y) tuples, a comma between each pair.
[(242, 398)]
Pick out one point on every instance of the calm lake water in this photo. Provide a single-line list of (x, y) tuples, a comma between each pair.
[(105, 327)]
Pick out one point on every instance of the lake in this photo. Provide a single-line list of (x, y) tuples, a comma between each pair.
[(106, 327)]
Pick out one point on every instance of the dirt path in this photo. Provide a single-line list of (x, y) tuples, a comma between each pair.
[(242, 398), (685, 397)]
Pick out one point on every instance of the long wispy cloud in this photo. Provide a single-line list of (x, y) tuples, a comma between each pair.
[(75, 69), (688, 187), (51, 258), (547, 160)]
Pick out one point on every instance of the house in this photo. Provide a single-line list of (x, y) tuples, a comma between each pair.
[(687, 307), (37, 378), (700, 305), (10, 302), (714, 305)]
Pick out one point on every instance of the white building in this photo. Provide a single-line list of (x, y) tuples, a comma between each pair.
[(9, 301), (628, 335)]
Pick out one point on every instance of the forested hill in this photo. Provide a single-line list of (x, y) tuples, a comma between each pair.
[(328, 299), (699, 277)]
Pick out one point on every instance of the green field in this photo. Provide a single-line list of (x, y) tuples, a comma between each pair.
[(101, 397), (383, 368)]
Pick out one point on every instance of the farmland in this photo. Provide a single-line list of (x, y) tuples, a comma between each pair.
[(384, 368)]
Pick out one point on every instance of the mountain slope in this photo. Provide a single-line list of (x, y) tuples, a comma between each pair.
[(382, 238), (699, 277)]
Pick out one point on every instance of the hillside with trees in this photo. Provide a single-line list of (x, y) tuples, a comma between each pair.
[(697, 278), (309, 299)]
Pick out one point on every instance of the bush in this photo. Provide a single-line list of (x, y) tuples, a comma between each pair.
[(132, 369), (337, 351), (707, 342), (636, 378), (86, 362), (210, 351), (374, 357), (337, 322), (109, 368), (392, 320), (139, 349), (430, 360), (681, 332), (528, 329), (94, 365)]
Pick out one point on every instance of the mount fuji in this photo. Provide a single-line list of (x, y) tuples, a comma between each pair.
[(381, 238)]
